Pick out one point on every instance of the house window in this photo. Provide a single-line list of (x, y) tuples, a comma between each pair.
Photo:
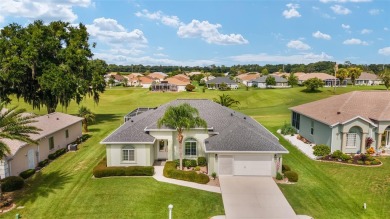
[(161, 145), (295, 120), (312, 128), (67, 133), (128, 153), (190, 147), (351, 140), (51, 143)]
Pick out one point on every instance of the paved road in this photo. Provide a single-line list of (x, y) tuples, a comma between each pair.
[(253, 197)]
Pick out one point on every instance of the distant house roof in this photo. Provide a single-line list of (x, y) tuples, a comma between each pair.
[(183, 78), (194, 73), (118, 77), (369, 105), (220, 80), (263, 78), (368, 76), (322, 76), (134, 75), (176, 81), (207, 78), (146, 80), (49, 124), (248, 76), (281, 74), (158, 75), (232, 131)]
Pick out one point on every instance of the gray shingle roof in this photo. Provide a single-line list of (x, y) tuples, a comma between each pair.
[(236, 131), (220, 80), (263, 78)]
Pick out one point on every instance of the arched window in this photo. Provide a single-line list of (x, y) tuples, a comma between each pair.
[(190, 147), (128, 153)]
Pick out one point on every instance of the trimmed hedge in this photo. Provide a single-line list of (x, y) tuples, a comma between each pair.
[(171, 171), (292, 176), (56, 154), (43, 163), (186, 162), (12, 183), (321, 150), (27, 173), (285, 168), (101, 170), (202, 161)]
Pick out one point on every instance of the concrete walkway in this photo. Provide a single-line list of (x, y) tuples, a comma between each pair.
[(307, 149), (253, 197), (158, 175)]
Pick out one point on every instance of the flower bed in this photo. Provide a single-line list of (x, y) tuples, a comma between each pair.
[(358, 159)]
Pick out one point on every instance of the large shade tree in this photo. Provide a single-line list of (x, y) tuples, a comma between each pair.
[(15, 124), (181, 117), (226, 100), (47, 65)]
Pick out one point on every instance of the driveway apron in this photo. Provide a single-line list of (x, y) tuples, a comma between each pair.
[(253, 197)]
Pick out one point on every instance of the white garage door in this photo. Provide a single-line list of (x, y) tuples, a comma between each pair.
[(225, 165), (252, 165)]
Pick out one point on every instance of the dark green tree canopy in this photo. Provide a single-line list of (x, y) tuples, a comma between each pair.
[(270, 81), (47, 65), (313, 84), (226, 100)]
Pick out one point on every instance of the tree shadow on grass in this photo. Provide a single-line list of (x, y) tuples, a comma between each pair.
[(311, 91), (42, 185), (101, 118)]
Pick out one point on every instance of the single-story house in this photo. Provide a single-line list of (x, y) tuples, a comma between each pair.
[(118, 79), (207, 78), (158, 76), (133, 79), (170, 84), (247, 77), (233, 143), (344, 122), (261, 82), (58, 130), (329, 80), (182, 77), (367, 79), (216, 83), (146, 81), (194, 73), (286, 75)]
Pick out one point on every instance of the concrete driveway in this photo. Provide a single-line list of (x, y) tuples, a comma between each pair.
[(253, 197)]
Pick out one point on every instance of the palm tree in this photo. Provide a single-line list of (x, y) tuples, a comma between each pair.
[(181, 117), (226, 100), (88, 116), (342, 74), (15, 124)]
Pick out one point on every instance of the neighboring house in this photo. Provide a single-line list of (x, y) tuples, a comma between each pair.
[(247, 77), (58, 130), (216, 83), (158, 76), (344, 122), (329, 80), (286, 75), (117, 78), (146, 81), (233, 143), (261, 82), (207, 78), (183, 78), (133, 79), (170, 84), (367, 79), (194, 73)]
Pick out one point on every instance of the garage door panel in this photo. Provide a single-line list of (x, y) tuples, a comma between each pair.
[(252, 165), (225, 165)]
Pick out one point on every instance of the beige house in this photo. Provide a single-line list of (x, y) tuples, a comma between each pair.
[(247, 77), (366, 78), (58, 130), (344, 122), (329, 80)]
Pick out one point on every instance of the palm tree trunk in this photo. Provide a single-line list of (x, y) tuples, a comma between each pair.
[(180, 139), (85, 126)]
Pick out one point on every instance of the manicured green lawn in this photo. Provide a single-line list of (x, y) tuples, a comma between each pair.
[(66, 189)]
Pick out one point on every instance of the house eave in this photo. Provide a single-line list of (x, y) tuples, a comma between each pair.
[(248, 152), (127, 142)]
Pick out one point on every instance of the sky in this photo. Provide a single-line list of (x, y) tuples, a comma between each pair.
[(221, 32)]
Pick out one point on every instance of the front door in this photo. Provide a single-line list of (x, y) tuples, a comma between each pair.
[(31, 159), (162, 150)]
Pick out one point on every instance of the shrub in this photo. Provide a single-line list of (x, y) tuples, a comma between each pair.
[(370, 158), (285, 168), (279, 176), (287, 129), (185, 162), (197, 168), (214, 175), (350, 161), (345, 157), (188, 163), (27, 173), (376, 162), (337, 154), (56, 154), (362, 157), (101, 170), (43, 163), (202, 161), (12, 183), (190, 87), (292, 176), (370, 150), (170, 171), (321, 150), (360, 162), (367, 162)]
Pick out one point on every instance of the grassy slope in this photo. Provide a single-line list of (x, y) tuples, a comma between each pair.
[(324, 190)]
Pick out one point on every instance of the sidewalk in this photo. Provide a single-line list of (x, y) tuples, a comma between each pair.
[(307, 149), (158, 175)]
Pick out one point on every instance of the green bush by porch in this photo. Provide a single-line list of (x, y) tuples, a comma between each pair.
[(101, 170), (171, 171)]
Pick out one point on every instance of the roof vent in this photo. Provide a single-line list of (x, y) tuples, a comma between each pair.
[(131, 121), (231, 114), (338, 113), (58, 118), (244, 117)]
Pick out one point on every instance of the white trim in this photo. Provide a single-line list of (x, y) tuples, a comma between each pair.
[(247, 152), (170, 130), (102, 142), (359, 117)]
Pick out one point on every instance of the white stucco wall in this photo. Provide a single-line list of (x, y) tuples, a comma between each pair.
[(143, 156)]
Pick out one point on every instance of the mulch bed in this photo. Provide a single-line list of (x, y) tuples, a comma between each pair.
[(353, 161)]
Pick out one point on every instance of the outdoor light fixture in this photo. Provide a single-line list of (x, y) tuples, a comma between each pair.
[(170, 210)]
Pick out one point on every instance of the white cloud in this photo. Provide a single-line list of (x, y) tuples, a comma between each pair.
[(298, 45), (42, 9), (209, 33), (366, 31), (338, 9), (291, 11), (320, 35), (354, 41), (374, 11), (110, 32), (384, 51), (344, 1), (172, 21), (160, 48), (304, 58), (345, 26), (386, 29), (160, 54)]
